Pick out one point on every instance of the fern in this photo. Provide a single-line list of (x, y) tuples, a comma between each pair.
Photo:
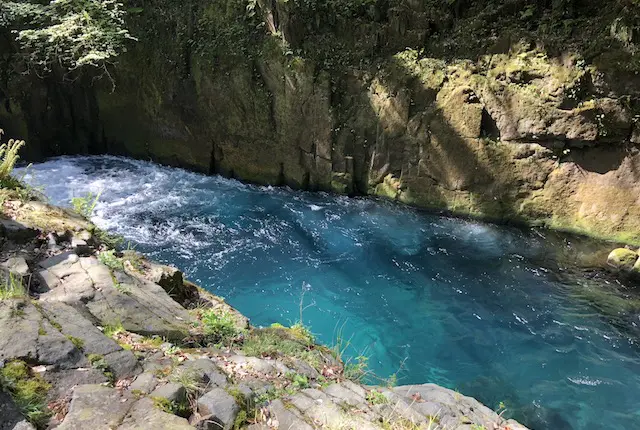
[(8, 158)]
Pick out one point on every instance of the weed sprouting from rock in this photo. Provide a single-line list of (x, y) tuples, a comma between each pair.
[(12, 287), (85, 205), (111, 260), (218, 327)]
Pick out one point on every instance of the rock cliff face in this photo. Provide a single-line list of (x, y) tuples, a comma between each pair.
[(507, 110)]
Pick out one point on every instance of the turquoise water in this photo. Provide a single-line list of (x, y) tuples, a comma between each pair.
[(479, 308)]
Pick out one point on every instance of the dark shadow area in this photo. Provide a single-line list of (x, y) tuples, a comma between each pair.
[(488, 127), (11, 416), (601, 159)]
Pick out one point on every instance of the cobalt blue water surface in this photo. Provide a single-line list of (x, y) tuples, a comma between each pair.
[(474, 307)]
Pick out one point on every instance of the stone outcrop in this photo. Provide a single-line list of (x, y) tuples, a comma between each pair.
[(92, 336), (111, 297)]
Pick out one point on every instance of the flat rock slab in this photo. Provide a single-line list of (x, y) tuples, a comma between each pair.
[(205, 371), (64, 381), (75, 325), (345, 395), (26, 334), (97, 408), (143, 415), (220, 406), (144, 383), (455, 410), (288, 418), (113, 297), (345, 405), (171, 391), (17, 266)]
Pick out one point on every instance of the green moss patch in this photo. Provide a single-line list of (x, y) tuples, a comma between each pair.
[(28, 390), (280, 341)]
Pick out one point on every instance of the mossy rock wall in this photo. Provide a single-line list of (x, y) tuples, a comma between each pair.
[(506, 110)]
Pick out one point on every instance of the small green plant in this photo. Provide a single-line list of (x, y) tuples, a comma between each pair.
[(153, 341), (181, 409), (78, 343), (190, 380), (283, 342), (112, 330), (123, 289), (26, 192), (12, 288), (235, 392), (478, 427), (394, 422), (8, 158), (392, 380), (375, 397), (163, 372), (267, 396), (303, 333), (110, 240), (434, 420), (218, 326), (173, 350), (29, 391), (85, 205), (357, 369), (98, 362), (109, 259), (241, 419), (298, 381)]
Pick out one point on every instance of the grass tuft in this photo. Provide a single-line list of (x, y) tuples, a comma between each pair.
[(98, 362), (279, 341), (375, 397), (110, 240), (12, 288), (218, 327), (180, 409), (85, 205), (29, 391), (78, 343), (109, 259), (112, 330)]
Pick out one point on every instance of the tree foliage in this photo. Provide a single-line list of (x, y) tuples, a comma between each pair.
[(68, 33)]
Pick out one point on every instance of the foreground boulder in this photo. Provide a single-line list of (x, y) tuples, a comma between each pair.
[(25, 334), (111, 296)]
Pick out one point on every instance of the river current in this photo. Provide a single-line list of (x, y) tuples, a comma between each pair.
[(490, 311)]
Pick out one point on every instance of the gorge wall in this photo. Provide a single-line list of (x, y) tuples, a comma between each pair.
[(509, 110)]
